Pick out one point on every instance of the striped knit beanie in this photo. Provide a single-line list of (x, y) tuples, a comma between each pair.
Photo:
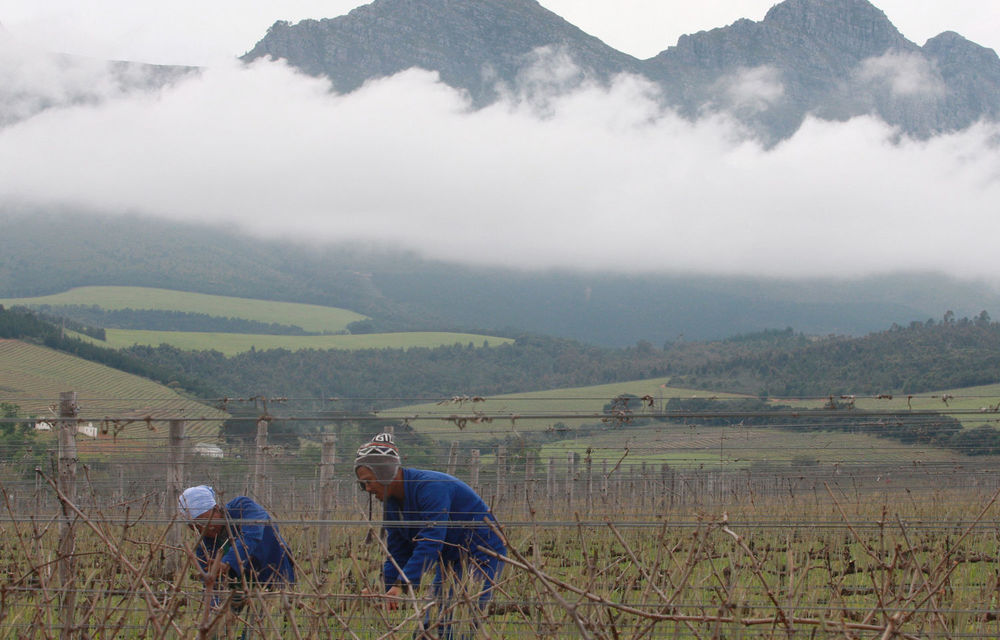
[(381, 456)]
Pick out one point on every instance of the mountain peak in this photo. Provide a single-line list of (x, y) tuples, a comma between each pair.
[(471, 43), (855, 26), (800, 10), (949, 42)]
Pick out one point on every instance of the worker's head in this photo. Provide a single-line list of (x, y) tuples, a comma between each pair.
[(199, 506), (377, 464)]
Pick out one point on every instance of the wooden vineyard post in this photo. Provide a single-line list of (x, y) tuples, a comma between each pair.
[(175, 485), (644, 486), (260, 462), (632, 473), (588, 469), (604, 481), (501, 472), (452, 458), (529, 481), (664, 485), (550, 480), (474, 478), (570, 479), (67, 489), (327, 492)]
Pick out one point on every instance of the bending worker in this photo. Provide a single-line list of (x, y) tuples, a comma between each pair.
[(239, 543), (431, 519)]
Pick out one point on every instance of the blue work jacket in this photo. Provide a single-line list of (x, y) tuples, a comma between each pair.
[(253, 550), (421, 529)]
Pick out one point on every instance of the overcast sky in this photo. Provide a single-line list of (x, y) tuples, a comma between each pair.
[(599, 178)]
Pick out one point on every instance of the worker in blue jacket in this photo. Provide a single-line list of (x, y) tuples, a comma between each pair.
[(239, 543), (432, 520)]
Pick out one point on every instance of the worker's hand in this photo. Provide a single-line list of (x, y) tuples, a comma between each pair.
[(390, 599), (217, 571)]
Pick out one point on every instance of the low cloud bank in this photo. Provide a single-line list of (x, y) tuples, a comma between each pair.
[(597, 178)]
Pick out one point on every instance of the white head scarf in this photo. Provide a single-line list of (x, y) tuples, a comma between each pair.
[(196, 501)]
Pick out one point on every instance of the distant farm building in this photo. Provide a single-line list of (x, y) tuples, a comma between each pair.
[(88, 429), (208, 450)]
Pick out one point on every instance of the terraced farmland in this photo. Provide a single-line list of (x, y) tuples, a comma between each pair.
[(33, 376)]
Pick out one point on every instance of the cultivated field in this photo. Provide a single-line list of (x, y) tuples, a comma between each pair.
[(743, 447), (33, 376), (533, 412), (798, 556), (235, 343), (308, 316), (972, 406), (329, 320)]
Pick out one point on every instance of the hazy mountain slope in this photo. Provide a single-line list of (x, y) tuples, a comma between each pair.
[(972, 75), (402, 292), (136, 251), (33, 81)]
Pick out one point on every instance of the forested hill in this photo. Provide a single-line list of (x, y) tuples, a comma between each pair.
[(387, 377), (921, 357), (934, 355)]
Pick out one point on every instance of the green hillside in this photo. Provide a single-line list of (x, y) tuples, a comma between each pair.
[(549, 409), (972, 406), (308, 316), (33, 376), (703, 446), (234, 343), (560, 421), (329, 321)]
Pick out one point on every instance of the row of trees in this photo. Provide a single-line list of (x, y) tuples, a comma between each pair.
[(387, 377), (923, 356), (17, 440), (936, 430), (93, 320)]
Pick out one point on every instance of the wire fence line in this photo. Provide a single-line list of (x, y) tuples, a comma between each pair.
[(693, 574), (603, 542)]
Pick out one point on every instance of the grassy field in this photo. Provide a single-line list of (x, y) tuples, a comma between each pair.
[(733, 447), (310, 317), (32, 377), (983, 400), (234, 343), (547, 408), (488, 419)]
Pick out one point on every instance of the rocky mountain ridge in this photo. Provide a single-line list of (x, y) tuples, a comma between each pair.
[(834, 59)]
